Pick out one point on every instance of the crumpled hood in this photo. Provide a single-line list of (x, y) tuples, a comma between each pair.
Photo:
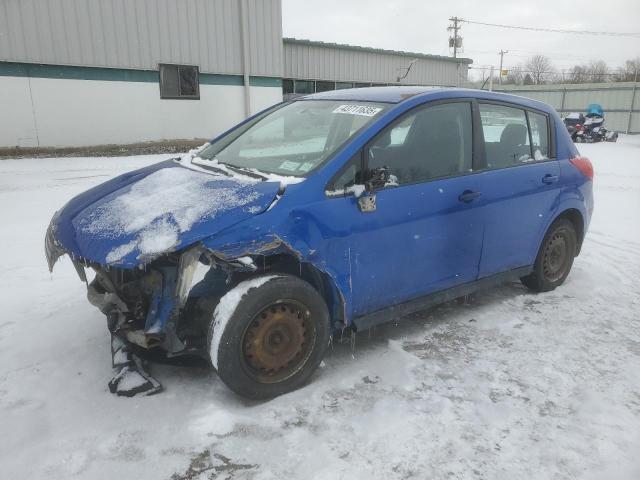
[(136, 217)]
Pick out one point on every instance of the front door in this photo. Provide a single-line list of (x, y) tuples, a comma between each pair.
[(425, 234)]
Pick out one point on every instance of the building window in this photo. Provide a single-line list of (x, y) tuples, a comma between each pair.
[(179, 81), (361, 85), (304, 86), (324, 86), (341, 85), (287, 86)]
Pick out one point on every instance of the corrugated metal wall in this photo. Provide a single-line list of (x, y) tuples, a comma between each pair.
[(140, 34), (616, 100), (317, 61)]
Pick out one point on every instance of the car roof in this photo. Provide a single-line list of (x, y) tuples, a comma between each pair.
[(399, 94), (394, 94)]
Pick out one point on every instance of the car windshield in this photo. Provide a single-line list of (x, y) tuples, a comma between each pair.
[(293, 139)]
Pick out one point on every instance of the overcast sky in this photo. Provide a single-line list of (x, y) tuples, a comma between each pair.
[(421, 26)]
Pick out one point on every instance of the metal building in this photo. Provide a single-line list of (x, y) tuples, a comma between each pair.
[(90, 72), (318, 66), (95, 72)]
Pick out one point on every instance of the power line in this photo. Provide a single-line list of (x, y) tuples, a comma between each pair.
[(556, 30)]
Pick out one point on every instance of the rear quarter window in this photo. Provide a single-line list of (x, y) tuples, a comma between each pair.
[(539, 126)]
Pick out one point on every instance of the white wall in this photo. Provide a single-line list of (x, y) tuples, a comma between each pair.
[(17, 126), (46, 112)]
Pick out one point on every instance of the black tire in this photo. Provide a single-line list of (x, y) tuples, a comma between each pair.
[(275, 338), (555, 257)]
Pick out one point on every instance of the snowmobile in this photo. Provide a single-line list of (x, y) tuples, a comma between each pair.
[(593, 127), (574, 122)]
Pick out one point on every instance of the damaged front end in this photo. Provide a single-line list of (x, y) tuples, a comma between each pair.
[(157, 305)]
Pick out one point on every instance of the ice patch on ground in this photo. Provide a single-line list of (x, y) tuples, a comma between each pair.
[(225, 309), (160, 207)]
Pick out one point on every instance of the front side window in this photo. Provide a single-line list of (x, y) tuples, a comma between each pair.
[(294, 139), (350, 176), (431, 142), (179, 82)]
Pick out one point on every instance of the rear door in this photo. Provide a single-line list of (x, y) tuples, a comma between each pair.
[(520, 184)]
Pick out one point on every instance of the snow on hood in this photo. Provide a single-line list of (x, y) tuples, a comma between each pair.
[(160, 207), (135, 218)]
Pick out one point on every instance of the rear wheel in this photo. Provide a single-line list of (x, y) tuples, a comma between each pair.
[(274, 338), (555, 257)]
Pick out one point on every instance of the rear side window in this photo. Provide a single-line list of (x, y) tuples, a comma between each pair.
[(539, 125), (430, 142), (506, 135)]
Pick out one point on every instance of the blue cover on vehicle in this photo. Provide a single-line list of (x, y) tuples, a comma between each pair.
[(595, 110)]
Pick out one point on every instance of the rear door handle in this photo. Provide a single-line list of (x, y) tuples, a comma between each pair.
[(468, 196), (549, 179)]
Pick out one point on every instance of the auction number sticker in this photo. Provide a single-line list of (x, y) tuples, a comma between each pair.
[(364, 110), (291, 166)]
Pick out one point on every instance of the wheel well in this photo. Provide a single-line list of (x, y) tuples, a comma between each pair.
[(322, 282), (575, 217)]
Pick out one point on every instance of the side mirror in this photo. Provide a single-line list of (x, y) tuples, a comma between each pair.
[(377, 178)]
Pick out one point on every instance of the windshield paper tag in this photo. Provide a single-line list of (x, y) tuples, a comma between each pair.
[(305, 167), (363, 110), (291, 166)]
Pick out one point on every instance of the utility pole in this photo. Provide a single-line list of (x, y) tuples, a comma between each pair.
[(501, 52), (455, 29), (633, 99)]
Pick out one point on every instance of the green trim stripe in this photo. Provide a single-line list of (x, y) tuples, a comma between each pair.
[(217, 79), (265, 82), (15, 69), (10, 69)]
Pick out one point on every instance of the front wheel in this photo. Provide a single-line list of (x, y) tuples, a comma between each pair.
[(268, 335), (555, 257)]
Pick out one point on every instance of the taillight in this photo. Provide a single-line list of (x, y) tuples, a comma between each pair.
[(584, 165)]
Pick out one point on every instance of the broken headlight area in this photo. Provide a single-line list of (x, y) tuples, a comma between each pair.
[(166, 303)]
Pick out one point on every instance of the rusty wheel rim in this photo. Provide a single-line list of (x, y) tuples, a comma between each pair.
[(278, 341), (555, 258)]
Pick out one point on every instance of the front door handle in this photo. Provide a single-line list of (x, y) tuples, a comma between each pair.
[(549, 179), (468, 196)]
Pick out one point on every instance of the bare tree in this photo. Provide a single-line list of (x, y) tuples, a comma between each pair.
[(628, 72), (515, 75), (578, 74), (598, 71), (539, 68)]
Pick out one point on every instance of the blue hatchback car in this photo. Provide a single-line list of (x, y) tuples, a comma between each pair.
[(342, 209)]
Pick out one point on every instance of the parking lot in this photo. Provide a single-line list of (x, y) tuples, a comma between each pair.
[(505, 385)]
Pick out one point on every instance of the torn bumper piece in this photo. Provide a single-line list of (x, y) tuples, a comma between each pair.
[(131, 378)]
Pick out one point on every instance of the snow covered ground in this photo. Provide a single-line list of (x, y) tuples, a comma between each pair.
[(511, 385)]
